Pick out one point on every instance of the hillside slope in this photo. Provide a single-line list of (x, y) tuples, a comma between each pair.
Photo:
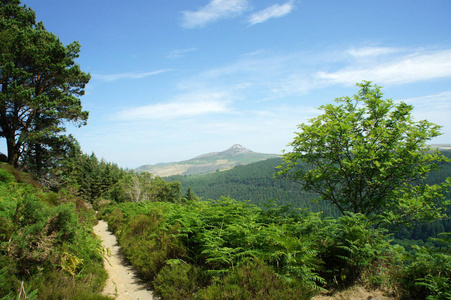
[(47, 248), (256, 183), (207, 163)]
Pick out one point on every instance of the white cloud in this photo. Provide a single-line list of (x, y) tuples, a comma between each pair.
[(184, 106), (274, 11), (406, 69), (435, 108), (261, 75), (372, 51), (270, 76), (128, 75), (216, 9), (179, 53), (438, 101)]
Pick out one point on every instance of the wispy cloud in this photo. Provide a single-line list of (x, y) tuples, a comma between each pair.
[(255, 79), (215, 10), (435, 108), (272, 92), (440, 101), (184, 106), (274, 11), (128, 75), (263, 75), (179, 53), (269, 76), (372, 51), (400, 70)]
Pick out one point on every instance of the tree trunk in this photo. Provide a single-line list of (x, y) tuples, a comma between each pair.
[(13, 152), (38, 158)]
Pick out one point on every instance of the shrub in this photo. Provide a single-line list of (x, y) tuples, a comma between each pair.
[(57, 285), (179, 280), (6, 177), (254, 280), (353, 250), (45, 246), (428, 276), (240, 248), (141, 236)]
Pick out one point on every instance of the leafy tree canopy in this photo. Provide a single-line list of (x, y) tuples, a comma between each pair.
[(40, 85), (367, 155)]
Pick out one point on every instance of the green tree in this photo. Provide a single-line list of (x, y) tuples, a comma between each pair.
[(47, 158), (367, 155), (190, 196), (40, 85)]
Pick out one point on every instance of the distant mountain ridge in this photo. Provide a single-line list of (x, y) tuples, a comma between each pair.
[(441, 146), (207, 163), (234, 150)]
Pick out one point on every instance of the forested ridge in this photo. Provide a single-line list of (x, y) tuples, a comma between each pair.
[(256, 184)]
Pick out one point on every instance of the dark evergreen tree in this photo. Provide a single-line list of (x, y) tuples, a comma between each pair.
[(40, 87)]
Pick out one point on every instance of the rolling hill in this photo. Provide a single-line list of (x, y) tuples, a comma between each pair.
[(207, 163)]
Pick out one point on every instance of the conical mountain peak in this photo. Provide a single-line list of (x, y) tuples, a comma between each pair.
[(236, 149)]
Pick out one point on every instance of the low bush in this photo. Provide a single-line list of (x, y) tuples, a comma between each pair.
[(179, 280), (353, 250), (254, 280), (47, 247), (428, 275)]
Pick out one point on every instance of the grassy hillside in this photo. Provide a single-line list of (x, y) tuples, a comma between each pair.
[(207, 163), (47, 247)]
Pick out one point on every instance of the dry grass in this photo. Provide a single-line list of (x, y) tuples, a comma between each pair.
[(168, 170), (355, 293)]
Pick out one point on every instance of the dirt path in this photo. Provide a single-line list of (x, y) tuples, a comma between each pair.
[(122, 282), (355, 293)]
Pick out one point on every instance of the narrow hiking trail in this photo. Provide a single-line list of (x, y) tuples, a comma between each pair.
[(122, 282)]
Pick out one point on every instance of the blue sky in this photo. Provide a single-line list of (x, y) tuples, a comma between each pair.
[(175, 79)]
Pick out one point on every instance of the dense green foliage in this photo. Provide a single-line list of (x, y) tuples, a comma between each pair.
[(143, 187), (367, 155), (95, 179), (212, 240), (40, 89), (428, 273), (228, 249), (88, 176), (256, 184), (46, 242), (46, 239)]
